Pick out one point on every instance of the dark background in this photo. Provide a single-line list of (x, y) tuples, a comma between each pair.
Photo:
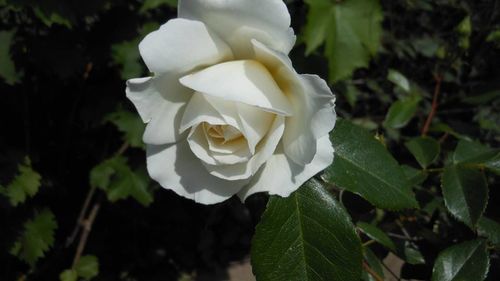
[(71, 78)]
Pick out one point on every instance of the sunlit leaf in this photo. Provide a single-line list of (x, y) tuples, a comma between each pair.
[(87, 267), (68, 275), (351, 30), (24, 185), (130, 124), (37, 238), (399, 80), (306, 236), (119, 181), (364, 166)]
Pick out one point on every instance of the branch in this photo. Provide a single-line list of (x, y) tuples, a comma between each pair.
[(79, 221), (434, 106), (87, 227)]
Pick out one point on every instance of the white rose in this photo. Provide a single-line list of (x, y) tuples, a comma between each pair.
[(226, 112)]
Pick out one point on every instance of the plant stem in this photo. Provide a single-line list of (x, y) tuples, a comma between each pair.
[(434, 106), (87, 227)]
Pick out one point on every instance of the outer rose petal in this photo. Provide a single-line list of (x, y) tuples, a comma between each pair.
[(313, 104), (281, 176), (239, 21), (175, 167), (160, 102), (181, 45), (243, 81), (315, 118)]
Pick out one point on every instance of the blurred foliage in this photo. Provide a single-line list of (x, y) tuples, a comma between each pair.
[(418, 90)]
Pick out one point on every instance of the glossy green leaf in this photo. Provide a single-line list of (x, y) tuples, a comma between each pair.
[(489, 229), (399, 80), (68, 275), (363, 166), (153, 4), (306, 236), (402, 111), (424, 149), (470, 152), (37, 238), (351, 30), (87, 267), (7, 69), (376, 234), (465, 193), (463, 262), (119, 181), (24, 185), (412, 255), (130, 124)]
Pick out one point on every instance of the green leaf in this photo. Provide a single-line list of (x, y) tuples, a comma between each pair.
[(489, 229), (424, 149), (153, 4), (402, 111), (363, 166), (68, 275), (374, 263), (87, 267), (130, 125), (37, 238), (464, 29), (414, 176), (465, 193), (126, 54), (376, 234), (7, 69), (119, 181), (306, 236), (473, 152), (351, 30), (412, 255), (25, 184), (470, 152), (465, 261), (51, 17), (399, 80)]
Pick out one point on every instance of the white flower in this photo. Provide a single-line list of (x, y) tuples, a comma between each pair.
[(226, 111)]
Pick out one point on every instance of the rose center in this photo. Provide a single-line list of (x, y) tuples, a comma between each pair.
[(222, 133)]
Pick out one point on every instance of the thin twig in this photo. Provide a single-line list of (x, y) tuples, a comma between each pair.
[(390, 271), (79, 221), (434, 106), (87, 227), (372, 272), (399, 236), (122, 149)]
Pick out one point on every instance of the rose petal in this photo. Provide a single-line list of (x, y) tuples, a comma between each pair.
[(238, 21), (315, 106), (254, 123), (282, 176), (248, 82), (145, 97), (159, 101), (200, 146), (264, 151), (175, 167), (165, 116), (199, 110), (181, 45)]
